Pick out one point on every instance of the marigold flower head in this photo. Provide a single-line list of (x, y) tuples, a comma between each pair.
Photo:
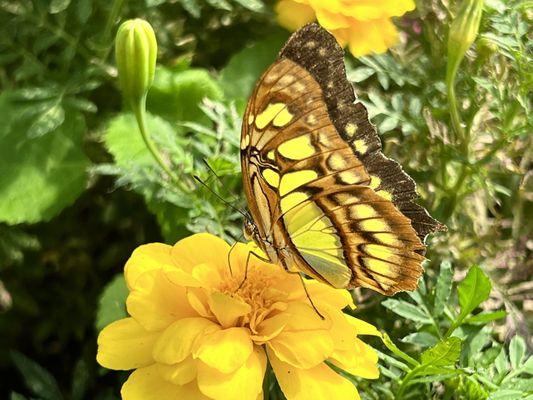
[(198, 331), (364, 26)]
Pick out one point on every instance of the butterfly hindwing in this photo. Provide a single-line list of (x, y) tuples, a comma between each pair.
[(324, 198)]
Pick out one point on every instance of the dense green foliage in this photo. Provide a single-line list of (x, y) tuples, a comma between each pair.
[(79, 190)]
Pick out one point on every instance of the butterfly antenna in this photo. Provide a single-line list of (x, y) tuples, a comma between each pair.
[(227, 203), (219, 179)]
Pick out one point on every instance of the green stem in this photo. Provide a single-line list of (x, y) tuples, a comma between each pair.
[(394, 349), (139, 110), (460, 134), (110, 23), (407, 381)]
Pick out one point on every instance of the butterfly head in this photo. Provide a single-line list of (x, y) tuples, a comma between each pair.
[(250, 229)]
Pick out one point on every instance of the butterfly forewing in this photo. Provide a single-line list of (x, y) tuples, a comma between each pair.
[(324, 198)]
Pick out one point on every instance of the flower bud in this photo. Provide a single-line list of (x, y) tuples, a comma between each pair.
[(136, 54), (463, 30)]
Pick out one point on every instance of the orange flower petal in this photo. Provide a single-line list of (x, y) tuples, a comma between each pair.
[(147, 384), (293, 15), (177, 342), (243, 384), (225, 350), (227, 309), (116, 341), (374, 36), (202, 248), (156, 302), (145, 258), (317, 383), (361, 360), (180, 373)]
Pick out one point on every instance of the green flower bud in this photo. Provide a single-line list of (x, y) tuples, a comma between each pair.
[(136, 54), (463, 31)]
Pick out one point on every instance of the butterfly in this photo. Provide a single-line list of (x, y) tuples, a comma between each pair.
[(322, 197)]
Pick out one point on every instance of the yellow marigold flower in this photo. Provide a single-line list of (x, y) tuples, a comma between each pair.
[(365, 26), (198, 331)]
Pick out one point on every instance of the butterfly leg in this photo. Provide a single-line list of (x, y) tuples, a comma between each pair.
[(246, 266), (229, 258), (307, 293)]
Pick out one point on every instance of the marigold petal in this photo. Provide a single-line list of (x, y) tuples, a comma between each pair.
[(324, 294), (180, 373), (270, 328), (361, 360), (362, 327), (201, 248), (244, 383), (116, 341), (227, 309), (145, 258), (178, 341), (293, 15), (147, 384), (225, 350), (199, 300), (374, 36), (207, 274), (331, 20), (156, 302), (317, 383), (304, 349)]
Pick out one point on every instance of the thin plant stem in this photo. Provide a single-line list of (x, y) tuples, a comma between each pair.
[(140, 116)]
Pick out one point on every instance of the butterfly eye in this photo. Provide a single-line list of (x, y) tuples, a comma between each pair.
[(248, 229)]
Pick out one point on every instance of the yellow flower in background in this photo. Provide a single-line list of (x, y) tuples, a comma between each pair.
[(365, 26), (198, 331)]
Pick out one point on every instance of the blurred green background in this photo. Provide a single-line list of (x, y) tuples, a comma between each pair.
[(79, 191)]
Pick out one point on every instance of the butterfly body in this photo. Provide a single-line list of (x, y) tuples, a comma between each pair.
[(323, 198)]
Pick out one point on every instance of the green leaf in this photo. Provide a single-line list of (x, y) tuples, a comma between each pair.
[(407, 310), (57, 6), (501, 362), (37, 379), (360, 74), (252, 5), (191, 6), (443, 288), (80, 380), (517, 350), (473, 290), (124, 141), (443, 354), (40, 177), (484, 317), (423, 339), (176, 95), (239, 76), (16, 396), (47, 121), (506, 394), (112, 303), (220, 4)]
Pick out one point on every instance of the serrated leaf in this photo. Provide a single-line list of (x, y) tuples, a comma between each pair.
[(252, 5), (443, 288), (506, 394), (57, 6), (517, 350), (39, 177), (124, 141), (37, 379), (501, 362), (407, 310), (484, 317), (360, 74), (443, 353), (423, 339), (47, 121), (112, 303), (473, 290)]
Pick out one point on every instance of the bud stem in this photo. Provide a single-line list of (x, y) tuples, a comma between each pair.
[(139, 109)]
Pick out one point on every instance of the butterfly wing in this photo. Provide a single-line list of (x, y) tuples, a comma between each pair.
[(322, 195)]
